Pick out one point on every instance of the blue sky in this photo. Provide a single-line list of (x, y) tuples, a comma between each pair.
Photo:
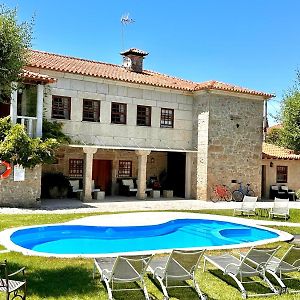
[(252, 43)]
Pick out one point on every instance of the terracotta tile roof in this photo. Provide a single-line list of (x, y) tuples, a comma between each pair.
[(33, 76), (271, 151), (276, 126), (217, 85), (61, 63)]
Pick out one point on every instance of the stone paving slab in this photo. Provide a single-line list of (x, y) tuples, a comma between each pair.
[(123, 204)]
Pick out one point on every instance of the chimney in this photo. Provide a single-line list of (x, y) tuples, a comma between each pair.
[(133, 59)]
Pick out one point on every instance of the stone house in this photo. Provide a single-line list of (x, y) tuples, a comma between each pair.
[(280, 166), (126, 121)]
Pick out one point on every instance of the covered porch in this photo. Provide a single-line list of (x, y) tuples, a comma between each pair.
[(108, 168), (25, 105)]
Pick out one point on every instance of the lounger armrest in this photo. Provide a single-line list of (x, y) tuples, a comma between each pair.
[(106, 273), (156, 269), (228, 266), (17, 272), (261, 267), (297, 263)]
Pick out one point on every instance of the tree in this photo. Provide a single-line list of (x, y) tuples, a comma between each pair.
[(18, 148), (274, 136), (15, 39), (290, 117)]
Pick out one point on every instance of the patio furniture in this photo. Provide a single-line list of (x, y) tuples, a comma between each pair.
[(274, 191), (10, 285), (127, 187), (168, 193), (75, 187), (280, 208), (239, 269), (75, 183), (282, 191), (179, 265), (289, 263), (155, 194), (247, 206), (122, 269)]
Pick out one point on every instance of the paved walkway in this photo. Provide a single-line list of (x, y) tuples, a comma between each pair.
[(122, 204)]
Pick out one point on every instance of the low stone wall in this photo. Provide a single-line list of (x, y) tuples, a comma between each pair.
[(21, 193)]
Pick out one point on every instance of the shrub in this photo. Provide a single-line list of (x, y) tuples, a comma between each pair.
[(55, 185)]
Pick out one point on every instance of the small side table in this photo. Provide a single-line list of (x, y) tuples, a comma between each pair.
[(155, 193), (99, 195), (168, 193), (263, 212)]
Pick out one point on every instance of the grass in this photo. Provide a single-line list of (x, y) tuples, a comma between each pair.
[(71, 279)]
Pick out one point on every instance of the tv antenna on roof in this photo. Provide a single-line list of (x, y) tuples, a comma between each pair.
[(125, 20)]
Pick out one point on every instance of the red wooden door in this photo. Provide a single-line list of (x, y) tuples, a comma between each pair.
[(102, 170)]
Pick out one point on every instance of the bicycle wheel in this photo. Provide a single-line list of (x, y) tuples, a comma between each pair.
[(237, 196), (227, 195), (214, 197), (250, 193)]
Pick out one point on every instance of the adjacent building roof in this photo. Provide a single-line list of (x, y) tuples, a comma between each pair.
[(276, 126), (62, 63), (36, 77), (270, 151)]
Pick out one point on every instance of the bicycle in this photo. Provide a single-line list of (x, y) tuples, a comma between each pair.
[(220, 192), (238, 195)]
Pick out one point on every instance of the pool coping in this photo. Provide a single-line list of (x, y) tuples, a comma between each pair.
[(138, 219)]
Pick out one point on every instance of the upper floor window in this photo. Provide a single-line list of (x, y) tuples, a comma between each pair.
[(118, 113), (281, 175), (167, 118), (61, 107), (125, 168), (143, 116), (75, 167), (91, 110)]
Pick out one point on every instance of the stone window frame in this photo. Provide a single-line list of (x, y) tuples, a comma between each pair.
[(143, 115), (75, 167), (167, 118), (281, 174), (125, 168), (91, 110), (61, 107), (118, 113)]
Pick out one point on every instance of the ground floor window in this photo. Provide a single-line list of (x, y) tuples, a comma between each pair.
[(125, 168), (281, 175), (76, 167)]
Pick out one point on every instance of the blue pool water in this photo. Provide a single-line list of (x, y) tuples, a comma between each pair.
[(180, 233)]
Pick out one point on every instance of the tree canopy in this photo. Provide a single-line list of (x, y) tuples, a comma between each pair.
[(18, 148), (15, 39), (289, 135)]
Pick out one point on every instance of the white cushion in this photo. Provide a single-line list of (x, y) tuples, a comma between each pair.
[(284, 188), (74, 184), (274, 187), (128, 182)]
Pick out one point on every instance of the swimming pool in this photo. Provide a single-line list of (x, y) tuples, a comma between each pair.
[(144, 232)]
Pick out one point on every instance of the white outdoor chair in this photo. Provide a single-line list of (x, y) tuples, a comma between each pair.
[(122, 269), (179, 265), (277, 267), (247, 206), (280, 208), (239, 269)]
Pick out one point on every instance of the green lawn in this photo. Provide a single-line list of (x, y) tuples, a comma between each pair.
[(70, 279)]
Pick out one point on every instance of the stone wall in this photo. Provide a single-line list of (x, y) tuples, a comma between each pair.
[(80, 87), (156, 162), (293, 174), (231, 129), (21, 193)]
